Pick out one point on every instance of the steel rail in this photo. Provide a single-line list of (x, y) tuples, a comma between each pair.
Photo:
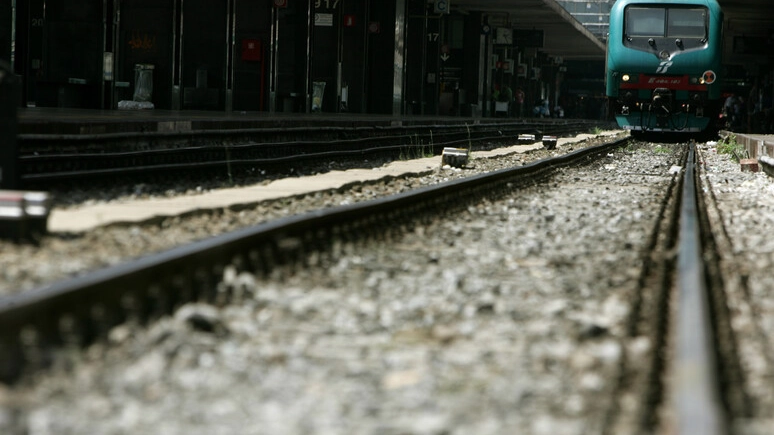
[(115, 159), (767, 165), (697, 398), (29, 141), (406, 128), (33, 324), (236, 160)]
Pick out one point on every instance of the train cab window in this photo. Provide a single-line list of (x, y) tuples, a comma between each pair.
[(645, 21), (666, 22), (687, 23)]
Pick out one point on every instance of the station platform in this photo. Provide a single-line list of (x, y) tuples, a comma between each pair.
[(85, 218), (757, 145)]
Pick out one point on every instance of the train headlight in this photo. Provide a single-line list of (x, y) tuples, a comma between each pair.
[(626, 77)]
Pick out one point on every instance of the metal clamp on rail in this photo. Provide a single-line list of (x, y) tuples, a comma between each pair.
[(23, 215)]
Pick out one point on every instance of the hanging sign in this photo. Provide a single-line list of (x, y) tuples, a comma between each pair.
[(323, 20), (442, 6)]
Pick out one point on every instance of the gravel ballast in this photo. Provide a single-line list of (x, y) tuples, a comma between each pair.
[(62, 255), (745, 203), (507, 318)]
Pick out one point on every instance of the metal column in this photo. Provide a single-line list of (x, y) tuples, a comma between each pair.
[(400, 58)]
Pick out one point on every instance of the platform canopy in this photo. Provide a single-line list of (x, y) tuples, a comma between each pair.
[(563, 35)]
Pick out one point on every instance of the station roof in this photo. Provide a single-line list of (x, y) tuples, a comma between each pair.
[(564, 36)]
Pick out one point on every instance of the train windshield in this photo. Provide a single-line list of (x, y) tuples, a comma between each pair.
[(686, 23), (669, 22)]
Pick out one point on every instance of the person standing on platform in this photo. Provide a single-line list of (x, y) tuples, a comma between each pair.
[(519, 101), (506, 96)]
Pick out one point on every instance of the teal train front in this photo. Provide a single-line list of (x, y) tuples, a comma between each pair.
[(664, 64)]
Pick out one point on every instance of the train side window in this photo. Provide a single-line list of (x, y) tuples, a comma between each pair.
[(645, 21), (687, 23)]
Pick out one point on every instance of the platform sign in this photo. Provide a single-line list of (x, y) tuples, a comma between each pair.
[(441, 6), (107, 66), (251, 50), (323, 20)]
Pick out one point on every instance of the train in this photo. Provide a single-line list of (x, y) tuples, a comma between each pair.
[(664, 65)]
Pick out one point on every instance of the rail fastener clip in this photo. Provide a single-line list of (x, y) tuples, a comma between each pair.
[(23, 214), (454, 157), (549, 142), (526, 139)]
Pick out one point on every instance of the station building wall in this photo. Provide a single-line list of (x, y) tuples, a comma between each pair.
[(59, 52), (374, 56)]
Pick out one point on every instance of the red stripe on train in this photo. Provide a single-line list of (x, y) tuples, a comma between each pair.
[(679, 83)]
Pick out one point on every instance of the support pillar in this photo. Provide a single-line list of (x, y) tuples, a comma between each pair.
[(399, 58)]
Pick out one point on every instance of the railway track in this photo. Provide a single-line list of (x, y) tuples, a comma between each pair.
[(80, 310), (691, 382), (697, 390), (49, 158), (679, 300)]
